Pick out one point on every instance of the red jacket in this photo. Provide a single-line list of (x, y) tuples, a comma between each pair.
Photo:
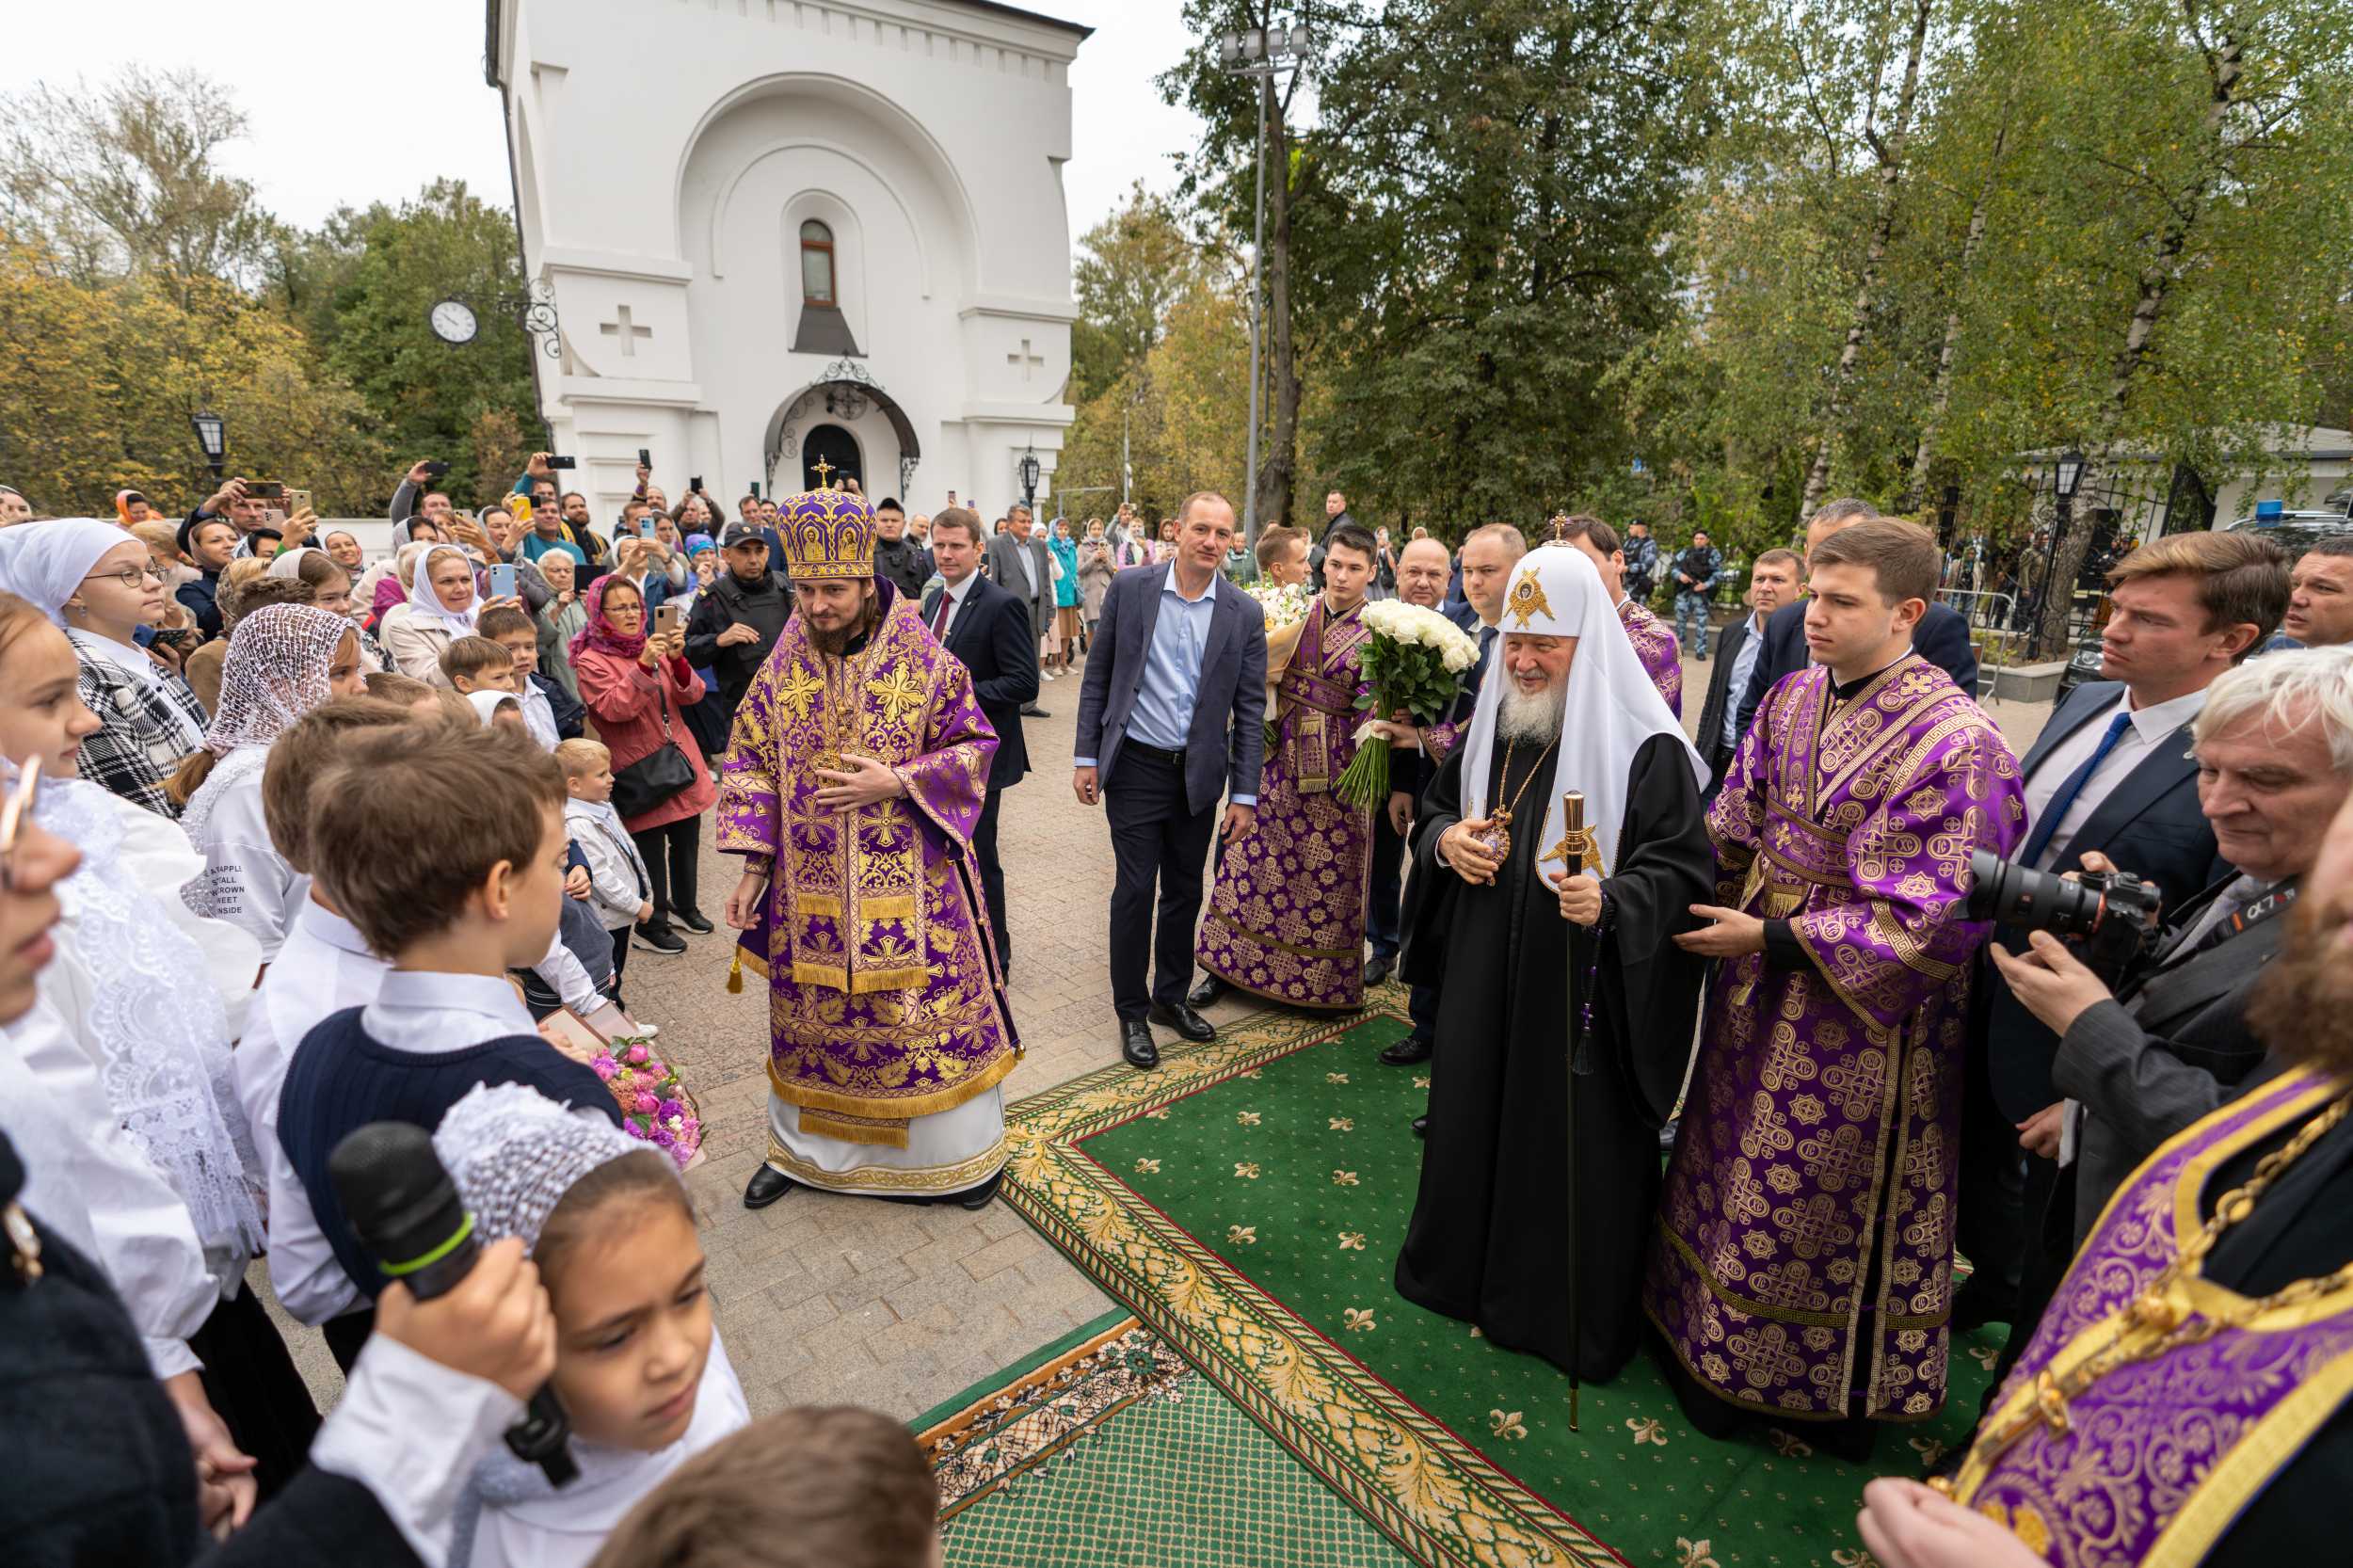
[(626, 702)]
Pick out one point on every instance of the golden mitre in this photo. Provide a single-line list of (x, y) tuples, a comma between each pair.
[(826, 532)]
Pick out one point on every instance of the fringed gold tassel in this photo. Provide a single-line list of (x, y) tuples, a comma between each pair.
[(735, 973)]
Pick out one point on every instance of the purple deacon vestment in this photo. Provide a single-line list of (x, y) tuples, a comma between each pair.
[(1802, 1264), (2165, 1452), (1654, 641), (1286, 916), (884, 1003)]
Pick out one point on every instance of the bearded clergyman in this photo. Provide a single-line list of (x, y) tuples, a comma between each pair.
[(857, 777), (1559, 847)]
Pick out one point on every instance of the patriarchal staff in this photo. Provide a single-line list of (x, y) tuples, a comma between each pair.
[(857, 773), (1496, 1238)]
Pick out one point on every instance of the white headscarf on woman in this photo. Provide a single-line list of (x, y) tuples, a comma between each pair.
[(1610, 711), (427, 606), (43, 563), (288, 562)]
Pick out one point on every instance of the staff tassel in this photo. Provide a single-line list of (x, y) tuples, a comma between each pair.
[(1572, 851)]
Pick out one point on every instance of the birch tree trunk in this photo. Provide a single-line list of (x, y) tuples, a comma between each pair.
[(1941, 377)]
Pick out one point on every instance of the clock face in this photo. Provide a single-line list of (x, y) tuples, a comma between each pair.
[(454, 321)]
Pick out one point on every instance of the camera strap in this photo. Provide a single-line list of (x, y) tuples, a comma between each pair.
[(2275, 902)]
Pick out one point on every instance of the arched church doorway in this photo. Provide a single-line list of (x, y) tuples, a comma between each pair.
[(838, 450)]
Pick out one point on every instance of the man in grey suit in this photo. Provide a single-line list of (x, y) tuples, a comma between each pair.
[(1171, 716), (2275, 758), (1019, 563)]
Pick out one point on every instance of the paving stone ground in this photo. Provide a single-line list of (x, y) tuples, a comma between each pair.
[(839, 1300)]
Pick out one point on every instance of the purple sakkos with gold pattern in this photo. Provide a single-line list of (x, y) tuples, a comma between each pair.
[(1803, 1263), (884, 1000), (1654, 641), (1286, 917), (2160, 1455)]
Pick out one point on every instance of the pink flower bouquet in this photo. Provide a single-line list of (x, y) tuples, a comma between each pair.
[(655, 1106)]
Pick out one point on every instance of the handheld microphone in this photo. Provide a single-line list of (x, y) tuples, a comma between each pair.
[(404, 1208)]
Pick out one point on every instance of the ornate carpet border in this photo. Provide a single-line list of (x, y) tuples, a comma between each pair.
[(1033, 1417), (1415, 1480)]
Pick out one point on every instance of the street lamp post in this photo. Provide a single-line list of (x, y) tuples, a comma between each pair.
[(1029, 480), (1261, 53), (213, 435), (2067, 475)]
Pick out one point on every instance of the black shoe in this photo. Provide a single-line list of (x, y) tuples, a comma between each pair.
[(1378, 970), (660, 938), (1421, 1127), (981, 1196), (767, 1185), (1031, 710), (1135, 1044), (1183, 1019), (1210, 988), (1406, 1052), (692, 921)]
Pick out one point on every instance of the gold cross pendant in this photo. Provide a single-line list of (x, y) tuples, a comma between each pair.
[(824, 474)]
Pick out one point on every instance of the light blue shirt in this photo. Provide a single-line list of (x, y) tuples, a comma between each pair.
[(1743, 665), (1162, 715)]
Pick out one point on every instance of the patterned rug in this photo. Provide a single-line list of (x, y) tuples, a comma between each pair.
[(1246, 1203)]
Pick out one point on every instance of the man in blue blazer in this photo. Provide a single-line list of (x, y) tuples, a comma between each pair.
[(1171, 716), (988, 628), (2111, 773), (1942, 637)]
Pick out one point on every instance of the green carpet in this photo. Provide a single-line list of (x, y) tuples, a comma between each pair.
[(1105, 1450), (1248, 1200)]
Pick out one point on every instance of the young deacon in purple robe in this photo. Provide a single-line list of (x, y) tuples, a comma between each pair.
[(1287, 916), (1564, 1020), (1803, 1265), (859, 768)]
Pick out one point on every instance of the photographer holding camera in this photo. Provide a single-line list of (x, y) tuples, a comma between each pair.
[(2111, 775)]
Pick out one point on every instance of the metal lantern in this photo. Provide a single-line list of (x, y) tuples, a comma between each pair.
[(1029, 472), (2070, 474), (211, 434)]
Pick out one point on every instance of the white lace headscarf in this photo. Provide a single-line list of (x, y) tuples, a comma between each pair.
[(43, 563), (424, 604), (155, 1017), (276, 672)]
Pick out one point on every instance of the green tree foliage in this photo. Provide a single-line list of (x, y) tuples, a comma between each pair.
[(1130, 267), (1183, 410)]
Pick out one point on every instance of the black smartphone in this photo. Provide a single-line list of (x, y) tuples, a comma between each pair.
[(433, 470), (265, 490), (644, 456), (755, 490), (695, 485), (563, 462)]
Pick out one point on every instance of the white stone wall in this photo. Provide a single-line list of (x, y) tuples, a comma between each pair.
[(666, 152)]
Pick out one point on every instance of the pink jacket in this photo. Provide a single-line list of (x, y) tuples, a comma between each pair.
[(626, 701)]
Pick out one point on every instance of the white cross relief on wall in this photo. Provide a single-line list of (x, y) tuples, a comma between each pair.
[(629, 332), (1026, 359)]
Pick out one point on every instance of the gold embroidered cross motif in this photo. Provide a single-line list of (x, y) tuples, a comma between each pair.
[(1528, 598), (799, 684), (824, 474), (898, 693)]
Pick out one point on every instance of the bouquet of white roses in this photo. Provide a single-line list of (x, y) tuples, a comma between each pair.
[(1285, 604), (1412, 659), (1286, 607)]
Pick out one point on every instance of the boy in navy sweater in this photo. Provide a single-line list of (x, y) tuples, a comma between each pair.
[(460, 879)]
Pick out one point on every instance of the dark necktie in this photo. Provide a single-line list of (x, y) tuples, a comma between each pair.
[(939, 614), (2071, 786)]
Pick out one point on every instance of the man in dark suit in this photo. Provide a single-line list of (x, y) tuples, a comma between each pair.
[(1171, 716), (988, 629), (1421, 574), (1772, 582), (2172, 1044), (1942, 637), (1019, 563), (2111, 773)]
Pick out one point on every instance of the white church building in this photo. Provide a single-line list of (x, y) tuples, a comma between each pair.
[(781, 232)]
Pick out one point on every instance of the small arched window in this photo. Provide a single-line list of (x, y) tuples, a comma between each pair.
[(817, 264)]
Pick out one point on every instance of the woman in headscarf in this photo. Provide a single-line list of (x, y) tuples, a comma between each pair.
[(343, 547), (331, 583), (638, 688), (441, 606), (386, 583), (143, 997), (98, 586), (284, 660)]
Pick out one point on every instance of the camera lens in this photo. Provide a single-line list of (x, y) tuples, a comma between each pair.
[(2009, 893)]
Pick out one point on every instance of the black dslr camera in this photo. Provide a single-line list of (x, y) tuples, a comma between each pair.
[(2114, 914)]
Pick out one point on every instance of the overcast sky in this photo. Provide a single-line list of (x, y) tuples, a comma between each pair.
[(352, 104)]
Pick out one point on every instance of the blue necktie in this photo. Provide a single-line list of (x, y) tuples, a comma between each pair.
[(2071, 786)]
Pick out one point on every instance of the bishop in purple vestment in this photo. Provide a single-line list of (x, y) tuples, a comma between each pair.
[(857, 773), (1801, 1268)]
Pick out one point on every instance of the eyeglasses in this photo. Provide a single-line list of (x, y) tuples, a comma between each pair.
[(130, 577), (14, 811)]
